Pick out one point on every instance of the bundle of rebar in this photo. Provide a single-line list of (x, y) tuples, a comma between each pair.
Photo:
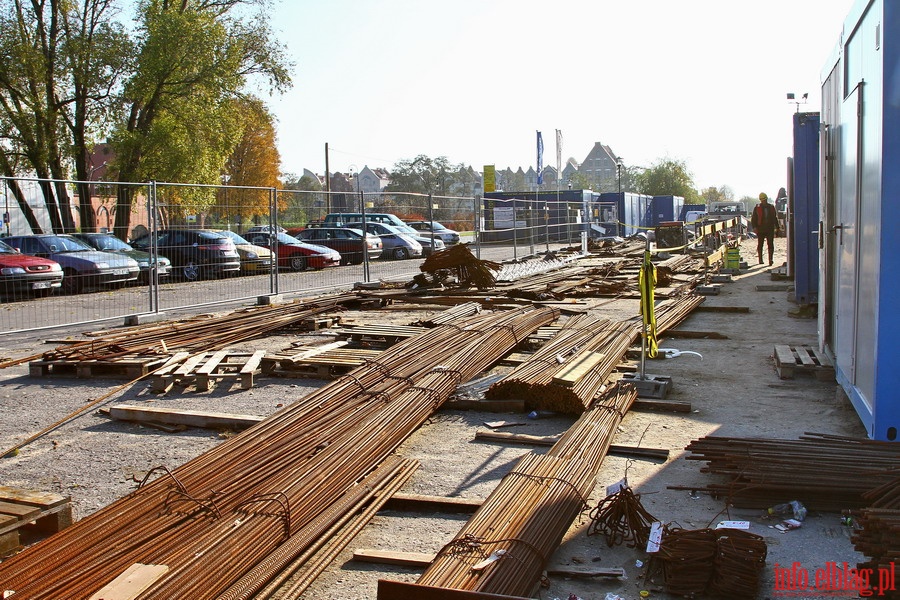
[(468, 268), (212, 520), (621, 519), (725, 563), (813, 469), (567, 372), (213, 333), (504, 547), (877, 538)]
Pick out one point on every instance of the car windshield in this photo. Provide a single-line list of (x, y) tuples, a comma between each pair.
[(58, 243), (6, 248), (284, 238), (234, 237), (109, 242)]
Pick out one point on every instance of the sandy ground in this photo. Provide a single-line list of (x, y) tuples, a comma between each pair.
[(734, 391)]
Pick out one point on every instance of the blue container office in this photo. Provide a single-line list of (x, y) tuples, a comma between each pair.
[(803, 209), (860, 213), (664, 208), (632, 209)]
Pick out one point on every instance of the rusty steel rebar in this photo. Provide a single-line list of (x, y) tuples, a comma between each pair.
[(216, 517), (528, 514)]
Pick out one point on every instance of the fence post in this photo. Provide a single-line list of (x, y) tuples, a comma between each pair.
[(477, 213), (273, 237), (153, 221)]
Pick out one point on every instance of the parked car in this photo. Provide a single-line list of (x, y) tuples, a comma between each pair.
[(449, 236), (295, 254), (397, 244), (254, 259), (25, 274), (351, 243), (266, 229), (82, 266), (429, 245), (195, 253), (107, 242), (341, 219)]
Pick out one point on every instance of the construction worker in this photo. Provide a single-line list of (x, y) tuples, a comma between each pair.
[(764, 222)]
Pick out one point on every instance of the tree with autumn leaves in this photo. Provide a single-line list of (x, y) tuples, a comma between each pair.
[(167, 93)]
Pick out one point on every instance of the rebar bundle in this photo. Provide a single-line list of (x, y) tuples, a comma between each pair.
[(621, 519), (469, 269), (507, 542), (551, 380), (212, 520), (812, 469), (878, 539), (725, 563)]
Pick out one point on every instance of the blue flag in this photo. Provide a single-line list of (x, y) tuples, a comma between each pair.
[(540, 158)]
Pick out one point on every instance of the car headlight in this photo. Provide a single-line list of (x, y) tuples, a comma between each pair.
[(102, 265), (12, 271), (252, 255)]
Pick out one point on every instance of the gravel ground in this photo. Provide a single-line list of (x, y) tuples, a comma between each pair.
[(734, 391)]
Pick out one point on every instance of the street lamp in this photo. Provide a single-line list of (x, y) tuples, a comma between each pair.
[(619, 165)]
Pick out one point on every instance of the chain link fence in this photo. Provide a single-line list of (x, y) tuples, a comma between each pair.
[(175, 235)]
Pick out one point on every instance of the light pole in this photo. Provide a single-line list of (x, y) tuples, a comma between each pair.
[(619, 165)]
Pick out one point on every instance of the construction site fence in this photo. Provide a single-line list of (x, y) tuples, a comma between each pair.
[(499, 231)]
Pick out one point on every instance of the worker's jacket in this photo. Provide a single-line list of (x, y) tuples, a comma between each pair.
[(764, 219)]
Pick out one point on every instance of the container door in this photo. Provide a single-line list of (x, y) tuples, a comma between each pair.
[(845, 235)]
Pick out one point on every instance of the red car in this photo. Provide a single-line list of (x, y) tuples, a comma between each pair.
[(293, 253), (22, 273)]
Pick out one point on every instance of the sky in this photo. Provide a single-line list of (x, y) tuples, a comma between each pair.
[(699, 81)]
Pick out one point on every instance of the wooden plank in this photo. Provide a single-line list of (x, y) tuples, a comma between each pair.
[(669, 405), (191, 418), (398, 590), (389, 557), (784, 355), (424, 503), (577, 368), (213, 362), (131, 583), (250, 368), (569, 572), (22, 512), (31, 497), (804, 356)]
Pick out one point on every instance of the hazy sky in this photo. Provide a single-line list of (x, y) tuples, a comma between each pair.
[(703, 81)]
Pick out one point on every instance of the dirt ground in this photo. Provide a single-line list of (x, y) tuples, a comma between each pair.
[(734, 390)]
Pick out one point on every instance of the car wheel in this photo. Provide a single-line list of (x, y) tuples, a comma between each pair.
[(191, 271), (298, 263), (401, 253), (71, 283)]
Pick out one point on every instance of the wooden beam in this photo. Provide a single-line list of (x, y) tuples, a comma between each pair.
[(418, 502), (417, 560), (131, 583), (191, 418)]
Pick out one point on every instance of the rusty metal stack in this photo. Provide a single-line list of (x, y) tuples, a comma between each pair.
[(214, 519)]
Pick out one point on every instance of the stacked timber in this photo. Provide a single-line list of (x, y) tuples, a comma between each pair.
[(468, 268)]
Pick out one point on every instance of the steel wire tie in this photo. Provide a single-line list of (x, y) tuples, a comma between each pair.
[(279, 498), (205, 505), (472, 544)]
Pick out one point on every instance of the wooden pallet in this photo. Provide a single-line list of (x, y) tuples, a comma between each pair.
[(382, 335), (326, 363), (129, 367), (43, 511), (201, 370), (805, 359)]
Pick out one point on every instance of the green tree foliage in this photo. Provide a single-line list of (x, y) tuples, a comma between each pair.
[(719, 194), (194, 58), (424, 175), (667, 177)]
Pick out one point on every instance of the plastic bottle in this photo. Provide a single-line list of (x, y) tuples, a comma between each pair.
[(793, 507)]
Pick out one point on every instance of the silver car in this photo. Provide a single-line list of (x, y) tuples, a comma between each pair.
[(396, 243), (83, 267)]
